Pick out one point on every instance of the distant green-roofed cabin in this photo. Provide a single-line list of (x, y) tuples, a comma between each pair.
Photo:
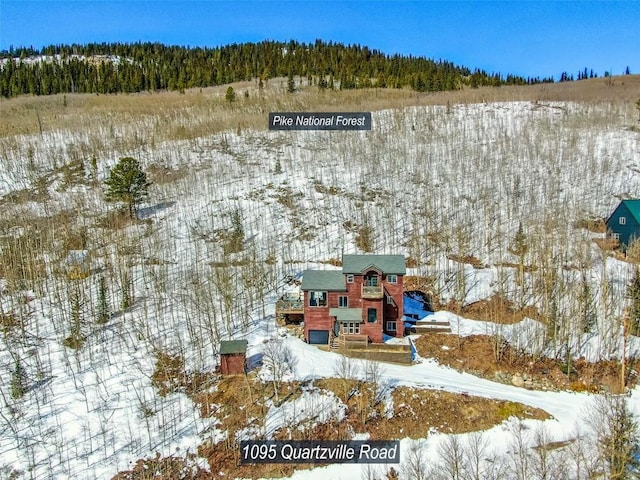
[(624, 223)]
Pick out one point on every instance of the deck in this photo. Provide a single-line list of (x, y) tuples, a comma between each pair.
[(289, 306)]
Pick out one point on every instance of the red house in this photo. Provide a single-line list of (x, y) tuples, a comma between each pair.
[(363, 299)]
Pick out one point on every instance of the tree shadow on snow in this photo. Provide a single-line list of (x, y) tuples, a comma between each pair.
[(146, 212), (254, 361)]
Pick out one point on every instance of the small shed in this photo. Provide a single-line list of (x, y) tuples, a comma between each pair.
[(233, 357)]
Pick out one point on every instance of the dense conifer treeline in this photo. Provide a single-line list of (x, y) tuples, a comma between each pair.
[(121, 67)]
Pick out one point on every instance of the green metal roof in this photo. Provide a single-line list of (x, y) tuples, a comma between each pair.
[(233, 346), (346, 314), (321, 280), (386, 263), (634, 208)]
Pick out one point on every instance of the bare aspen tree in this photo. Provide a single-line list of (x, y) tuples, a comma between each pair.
[(520, 248), (519, 447), (345, 369), (224, 280), (415, 465), (452, 458), (582, 464), (541, 467), (474, 452), (373, 372), (279, 360)]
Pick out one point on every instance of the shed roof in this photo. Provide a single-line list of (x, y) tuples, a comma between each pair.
[(346, 314), (321, 280), (386, 263), (229, 347)]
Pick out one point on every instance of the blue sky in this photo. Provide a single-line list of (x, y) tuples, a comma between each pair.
[(528, 38)]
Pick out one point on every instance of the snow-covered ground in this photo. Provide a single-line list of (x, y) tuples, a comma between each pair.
[(429, 184)]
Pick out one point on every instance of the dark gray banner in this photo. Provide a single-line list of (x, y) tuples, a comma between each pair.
[(321, 451), (320, 121)]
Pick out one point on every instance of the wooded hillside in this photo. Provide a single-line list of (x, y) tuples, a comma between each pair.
[(126, 68)]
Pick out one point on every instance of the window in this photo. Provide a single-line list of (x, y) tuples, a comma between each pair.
[(392, 326), (349, 278), (372, 315), (343, 301), (392, 278), (389, 300), (622, 220), (615, 236), (317, 299), (351, 327)]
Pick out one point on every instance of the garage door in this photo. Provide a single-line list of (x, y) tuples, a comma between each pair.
[(318, 337)]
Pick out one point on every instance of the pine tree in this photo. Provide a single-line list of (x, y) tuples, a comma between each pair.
[(230, 96), (18, 381), (75, 340), (616, 436), (520, 248), (127, 183), (291, 86), (633, 293), (125, 290), (103, 304), (587, 307)]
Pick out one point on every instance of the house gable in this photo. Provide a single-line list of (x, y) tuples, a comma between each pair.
[(359, 264)]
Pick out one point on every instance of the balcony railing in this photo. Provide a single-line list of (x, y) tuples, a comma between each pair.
[(372, 292)]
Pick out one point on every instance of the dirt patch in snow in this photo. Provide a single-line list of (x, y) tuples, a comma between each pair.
[(492, 358), (436, 411), (496, 309)]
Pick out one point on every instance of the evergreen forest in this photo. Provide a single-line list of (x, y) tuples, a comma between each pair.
[(135, 67)]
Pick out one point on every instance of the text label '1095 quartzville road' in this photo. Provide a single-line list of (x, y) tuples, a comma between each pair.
[(310, 451)]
